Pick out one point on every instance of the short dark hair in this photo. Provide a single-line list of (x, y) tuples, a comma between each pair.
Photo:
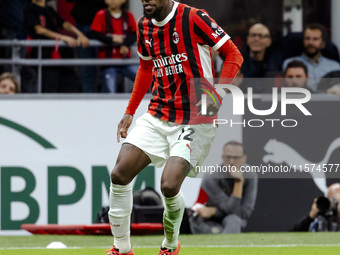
[(297, 64), (237, 144), (316, 26)]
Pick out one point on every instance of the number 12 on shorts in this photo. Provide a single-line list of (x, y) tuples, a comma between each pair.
[(186, 133)]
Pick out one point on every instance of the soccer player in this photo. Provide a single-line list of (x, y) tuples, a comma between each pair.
[(174, 44)]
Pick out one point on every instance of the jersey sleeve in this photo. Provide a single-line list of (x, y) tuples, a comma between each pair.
[(98, 23), (207, 30), (141, 48)]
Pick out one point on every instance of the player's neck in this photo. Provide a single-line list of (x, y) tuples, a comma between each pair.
[(41, 3), (165, 11)]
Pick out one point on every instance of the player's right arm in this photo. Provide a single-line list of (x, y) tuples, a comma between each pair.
[(140, 88), (141, 85), (123, 126)]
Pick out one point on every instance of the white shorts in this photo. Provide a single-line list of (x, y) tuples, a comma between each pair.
[(160, 139)]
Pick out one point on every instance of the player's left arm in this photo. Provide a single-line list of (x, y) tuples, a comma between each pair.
[(232, 62), (212, 34)]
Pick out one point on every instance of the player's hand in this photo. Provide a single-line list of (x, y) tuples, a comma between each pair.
[(83, 41), (212, 107), (123, 126), (69, 40)]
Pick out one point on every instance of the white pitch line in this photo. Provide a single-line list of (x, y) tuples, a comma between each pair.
[(188, 246), (41, 248)]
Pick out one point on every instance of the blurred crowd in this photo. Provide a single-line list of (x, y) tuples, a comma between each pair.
[(307, 59)]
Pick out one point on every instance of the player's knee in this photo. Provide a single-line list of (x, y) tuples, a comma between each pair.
[(117, 177), (169, 189)]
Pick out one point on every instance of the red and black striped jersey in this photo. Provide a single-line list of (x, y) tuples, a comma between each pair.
[(180, 48)]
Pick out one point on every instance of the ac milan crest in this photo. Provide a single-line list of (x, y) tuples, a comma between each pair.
[(175, 37)]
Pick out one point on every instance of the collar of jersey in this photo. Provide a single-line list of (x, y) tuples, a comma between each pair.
[(168, 18)]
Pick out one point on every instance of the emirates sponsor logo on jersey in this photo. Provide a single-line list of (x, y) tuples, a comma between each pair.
[(170, 60), (170, 65)]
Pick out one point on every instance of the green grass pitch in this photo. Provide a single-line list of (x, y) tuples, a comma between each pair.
[(246, 243)]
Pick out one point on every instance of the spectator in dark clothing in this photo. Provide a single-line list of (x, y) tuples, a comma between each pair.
[(43, 22), (259, 59), (11, 26), (115, 26), (12, 18), (226, 201), (310, 221), (83, 12)]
